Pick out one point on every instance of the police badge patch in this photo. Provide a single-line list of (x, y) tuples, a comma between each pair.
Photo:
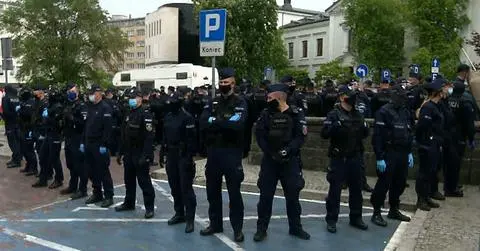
[(149, 127), (305, 130)]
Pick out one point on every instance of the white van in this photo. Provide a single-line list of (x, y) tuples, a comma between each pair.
[(185, 75)]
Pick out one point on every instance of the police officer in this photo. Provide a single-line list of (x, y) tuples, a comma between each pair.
[(26, 113), (429, 136), (224, 122), (75, 114), (180, 140), (111, 100), (346, 128), (10, 103), (54, 119), (295, 98), (463, 76), (381, 98), (259, 97), (280, 133), (314, 101), (329, 97), (40, 133), (416, 92), (392, 142), (98, 130), (137, 152), (463, 134)]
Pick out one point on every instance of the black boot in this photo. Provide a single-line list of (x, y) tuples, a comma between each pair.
[(14, 165), (332, 227), (189, 227), (176, 219), (260, 235), (40, 183), (67, 190), (299, 233), (395, 214), (437, 196), (238, 236), (31, 173), (124, 207), (55, 185), (367, 188), (78, 195), (432, 204), (457, 194), (378, 220), (94, 199), (149, 213), (210, 231), (358, 223), (107, 202), (422, 204)]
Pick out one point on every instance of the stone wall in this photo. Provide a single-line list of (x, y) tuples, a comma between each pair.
[(314, 155)]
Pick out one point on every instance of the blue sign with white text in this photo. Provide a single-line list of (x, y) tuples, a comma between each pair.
[(213, 25), (386, 75)]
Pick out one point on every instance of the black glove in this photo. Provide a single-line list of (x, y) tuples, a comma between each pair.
[(144, 160)]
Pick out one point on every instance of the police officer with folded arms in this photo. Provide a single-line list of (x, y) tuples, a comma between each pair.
[(9, 104), (224, 121), (95, 138), (75, 114), (429, 136), (136, 151), (26, 112), (180, 140), (392, 142), (280, 133), (346, 129)]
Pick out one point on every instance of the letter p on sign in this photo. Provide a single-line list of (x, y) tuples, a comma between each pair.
[(212, 23)]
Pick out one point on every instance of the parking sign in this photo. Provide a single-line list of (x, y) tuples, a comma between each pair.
[(213, 26)]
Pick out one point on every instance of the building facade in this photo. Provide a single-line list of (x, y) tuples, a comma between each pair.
[(287, 13), (134, 29)]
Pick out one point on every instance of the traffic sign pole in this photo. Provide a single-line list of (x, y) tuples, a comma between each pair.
[(214, 59)]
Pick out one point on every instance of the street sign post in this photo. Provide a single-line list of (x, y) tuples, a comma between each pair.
[(361, 71), (7, 62), (435, 68), (213, 28), (386, 75), (268, 73)]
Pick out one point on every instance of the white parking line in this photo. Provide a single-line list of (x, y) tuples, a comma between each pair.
[(36, 240), (227, 241), (89, 220)]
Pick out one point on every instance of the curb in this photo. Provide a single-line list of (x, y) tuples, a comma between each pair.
[(305, 194), (410, 236)]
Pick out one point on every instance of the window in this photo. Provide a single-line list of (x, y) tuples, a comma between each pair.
[(159, 27), (149, 51), (125, 77), (290, 50), (130, 33), (319, 47), (141, 66), (141, 32), (305, 49), (141, 43), (182, 75), (155, 28), (141, 54), (130, 66), (130, 54)]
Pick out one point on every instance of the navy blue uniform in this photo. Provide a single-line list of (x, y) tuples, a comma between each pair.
[(314, 102), (116, 122), (346, 130), (12, 130), (27, 124), (54, 122), (137, 148), (224, 124), (329, 99), (429, 137), (75, 117), (416, 95), (277, 132), (40, 133), (97, 133), (180, 140), (380, 99), (392, 142), (260, 101), (298, 100)]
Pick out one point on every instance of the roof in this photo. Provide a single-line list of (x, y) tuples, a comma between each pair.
[(307, 20), (298, 10), (334, 4)]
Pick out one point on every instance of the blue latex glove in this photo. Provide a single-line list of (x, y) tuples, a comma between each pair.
[(210, 120), (381, 166), (235, 118), (82, 148), (45, 113), (410, 161), (29, 135), (103, 150), (17, 108)]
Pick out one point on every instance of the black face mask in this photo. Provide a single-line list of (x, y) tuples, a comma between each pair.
[(273, 106), (225, 89), (292, 88), (351, 99)]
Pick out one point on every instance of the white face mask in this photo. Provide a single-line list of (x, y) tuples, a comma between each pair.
[(91, 98), (450, 91)]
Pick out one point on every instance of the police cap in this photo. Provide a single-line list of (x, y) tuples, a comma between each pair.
[(437, 84), (71, 85), (286, 79), (133, 93), (277, 88), (226, 73), (109, 90), (344, 89), (95, 88)]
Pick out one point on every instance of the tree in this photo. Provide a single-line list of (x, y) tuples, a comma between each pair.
[(300, 75), (63, 40), (335, 71), (253, 40), (377, 28), (475, 42), (436, 25)]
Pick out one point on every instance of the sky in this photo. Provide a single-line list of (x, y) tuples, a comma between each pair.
[(139, 8)]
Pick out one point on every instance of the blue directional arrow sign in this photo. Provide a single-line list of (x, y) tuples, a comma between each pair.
[(435, 68), (267, 73), (386, 75), (362, 71)]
